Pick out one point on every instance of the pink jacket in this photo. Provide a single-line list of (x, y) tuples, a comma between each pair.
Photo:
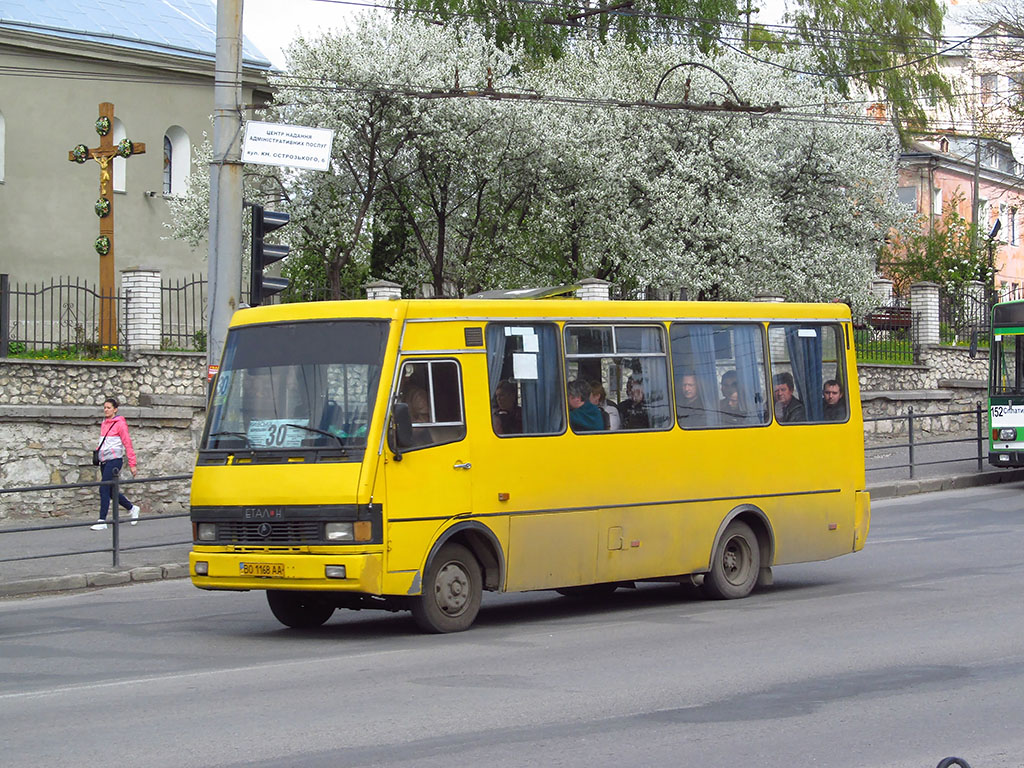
[(115, 441)]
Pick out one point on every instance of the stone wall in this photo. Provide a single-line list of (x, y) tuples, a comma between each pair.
[(50, 412), (74, 382), (947, 381)]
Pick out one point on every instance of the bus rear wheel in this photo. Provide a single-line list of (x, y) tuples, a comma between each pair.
[(452, 590), (299, 610), (735, 565)]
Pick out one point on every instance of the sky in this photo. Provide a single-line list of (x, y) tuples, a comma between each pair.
[(272, 24)]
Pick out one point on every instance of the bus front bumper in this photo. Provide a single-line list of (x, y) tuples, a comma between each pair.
[(276, 570), (1006, 458)]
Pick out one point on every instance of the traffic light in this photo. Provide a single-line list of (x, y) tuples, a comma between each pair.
[(262, 254)]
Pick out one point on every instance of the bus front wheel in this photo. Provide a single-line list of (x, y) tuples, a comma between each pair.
[(735, 565), (452, 590), (299, 610)]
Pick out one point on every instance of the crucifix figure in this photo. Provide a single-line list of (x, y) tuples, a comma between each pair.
[(104, 244)]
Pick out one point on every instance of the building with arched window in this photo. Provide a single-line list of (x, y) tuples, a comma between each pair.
[(154, 60)]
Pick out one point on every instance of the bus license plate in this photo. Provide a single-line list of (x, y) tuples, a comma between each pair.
[(262, 569)]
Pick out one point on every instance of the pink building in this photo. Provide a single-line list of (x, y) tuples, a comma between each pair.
[(937, 171)]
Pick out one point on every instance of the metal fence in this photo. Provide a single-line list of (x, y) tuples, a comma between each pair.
[(915, 447), (965, 316), (183, 314), (116, 547), (887, 335), (63, 314)]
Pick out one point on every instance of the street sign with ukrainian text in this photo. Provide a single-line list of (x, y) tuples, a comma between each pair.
[(292, 146)]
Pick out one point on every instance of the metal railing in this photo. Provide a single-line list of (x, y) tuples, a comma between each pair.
[(965, 316), (61, 314), (914, 444), (115, 548), (887, 335), (183, 314)]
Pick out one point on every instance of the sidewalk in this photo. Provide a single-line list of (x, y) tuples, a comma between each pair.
[(165, 542)]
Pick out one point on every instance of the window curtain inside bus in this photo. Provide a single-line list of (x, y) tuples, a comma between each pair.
[(805, 357), (542, 397), (702, 346), (655, 371), (749, 349)]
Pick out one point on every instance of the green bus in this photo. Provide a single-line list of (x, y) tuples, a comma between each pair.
[(1006, 386)]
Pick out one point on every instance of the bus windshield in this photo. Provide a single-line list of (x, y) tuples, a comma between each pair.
[(297, 386), (1007, 364)]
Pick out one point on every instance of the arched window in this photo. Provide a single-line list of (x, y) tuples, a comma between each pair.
[(119, 162), (3, 144), (168, 162), (177, 160)]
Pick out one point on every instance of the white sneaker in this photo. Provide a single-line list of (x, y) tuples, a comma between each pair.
[(100, 526), (135, 514)]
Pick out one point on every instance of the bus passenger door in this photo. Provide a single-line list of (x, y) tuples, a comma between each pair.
[(431, 480)]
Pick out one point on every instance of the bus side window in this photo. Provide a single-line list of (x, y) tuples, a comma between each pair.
[(808, 373), (719, 374), (630, 364), (433, 391), (524, 365)]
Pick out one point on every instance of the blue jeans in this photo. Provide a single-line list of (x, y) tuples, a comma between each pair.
[(107, 473)]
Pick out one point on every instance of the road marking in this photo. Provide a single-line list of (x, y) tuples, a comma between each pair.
[(62, 690)]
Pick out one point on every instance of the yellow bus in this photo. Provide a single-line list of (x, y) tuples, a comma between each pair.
[(411, 454)]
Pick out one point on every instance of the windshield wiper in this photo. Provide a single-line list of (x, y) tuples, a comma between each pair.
[(234, 434), (341, 443)]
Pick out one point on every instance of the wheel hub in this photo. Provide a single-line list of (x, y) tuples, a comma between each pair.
[(452, 589)]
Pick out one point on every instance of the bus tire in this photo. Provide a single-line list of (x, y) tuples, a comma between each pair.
[(452, 590), (298, 610), (589, 591), (735, 564)]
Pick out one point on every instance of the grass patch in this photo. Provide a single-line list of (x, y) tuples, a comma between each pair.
[(17, 350)]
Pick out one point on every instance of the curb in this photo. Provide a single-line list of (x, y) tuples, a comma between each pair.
[(930, 484), (75, 582), (72, 582)]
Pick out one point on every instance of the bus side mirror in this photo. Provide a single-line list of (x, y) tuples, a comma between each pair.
[(400, 434), (974, 345)]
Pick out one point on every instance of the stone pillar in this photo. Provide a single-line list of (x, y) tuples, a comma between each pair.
[(593, 289), (924, 313), (383, 290), (881, 289), (141, 288)]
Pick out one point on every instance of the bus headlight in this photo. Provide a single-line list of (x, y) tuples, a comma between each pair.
[(1007, 434), (206, 532), (339, 532)]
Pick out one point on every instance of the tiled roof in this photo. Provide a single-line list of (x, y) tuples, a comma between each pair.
[(176, 27)]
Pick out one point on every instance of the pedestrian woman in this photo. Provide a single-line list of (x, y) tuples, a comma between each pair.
[(115, 443)]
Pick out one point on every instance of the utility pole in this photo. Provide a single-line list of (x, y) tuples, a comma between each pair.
[(225, 264), (975, 192)]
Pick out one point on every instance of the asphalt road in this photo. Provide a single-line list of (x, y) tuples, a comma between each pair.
[(907, 652)]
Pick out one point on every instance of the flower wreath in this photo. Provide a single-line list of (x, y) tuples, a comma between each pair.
[(103, 125), (102, 207), (80, 153), (102, 245), (125, 148)]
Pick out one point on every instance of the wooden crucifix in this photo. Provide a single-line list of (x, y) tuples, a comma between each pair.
[(104, 155)]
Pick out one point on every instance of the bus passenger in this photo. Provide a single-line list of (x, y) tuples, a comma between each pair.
[(689, 408), (788, 408), (584, 416), (729, 405), (832, 394), (599, 397), (633, 410), (507, 416), (413, 394)]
